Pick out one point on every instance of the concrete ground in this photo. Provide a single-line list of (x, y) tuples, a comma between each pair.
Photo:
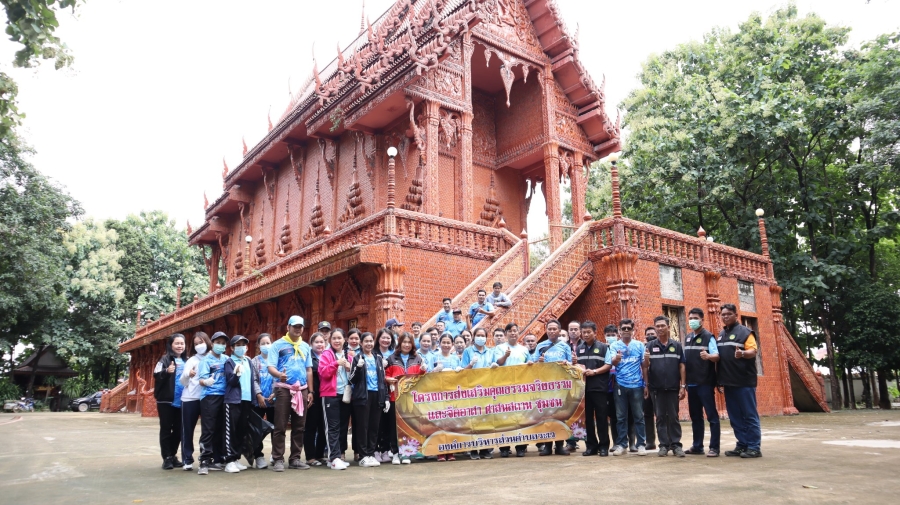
[(57, 458)]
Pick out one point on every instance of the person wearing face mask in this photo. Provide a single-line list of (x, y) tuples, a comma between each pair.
[(265, 405), (369, 397), (701, 355), (404, 361), (550, 351), (241, 388), (167, 391), (479, 356), (212, 406), (595, 359), (314, 440), (190, 398)]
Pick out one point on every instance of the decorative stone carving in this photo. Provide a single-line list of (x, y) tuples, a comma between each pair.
[(449, 128), (416, 191), (316, 219), (491, 213), (354, 209), (286, 244), (329, 155)]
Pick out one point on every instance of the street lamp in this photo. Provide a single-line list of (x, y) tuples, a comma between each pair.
[(392, 153)]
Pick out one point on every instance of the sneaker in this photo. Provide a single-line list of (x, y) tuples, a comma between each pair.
[(278, 466), (678, 451), (379, 456), (618, 451), (217, 467), (167, 464), (486, 455), (474, 455), (374, 461), (386, 457), (232, 468), (204, 469), (441, 458), (451, 457), (177, 462), (632, 448), (368, 462), (395, 460), (240, 465), (405, 460), (261, 463), (337, 464), (663, 451), (605, 452), (313, 462), (694, 450), (342, 463), (188, 467), (751, 453), (736, 452), (298, 464), (642, 451), (520, 453), (713, 453)]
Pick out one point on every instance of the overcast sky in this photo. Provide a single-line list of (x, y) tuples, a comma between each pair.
[(161, 90)]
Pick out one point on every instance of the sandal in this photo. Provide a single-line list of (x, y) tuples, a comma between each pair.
[(313, 462)]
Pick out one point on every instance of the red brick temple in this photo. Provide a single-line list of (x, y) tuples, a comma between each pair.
[(483, 100)]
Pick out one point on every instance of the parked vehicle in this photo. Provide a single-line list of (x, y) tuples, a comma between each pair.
[(86, 403), (23, 405)]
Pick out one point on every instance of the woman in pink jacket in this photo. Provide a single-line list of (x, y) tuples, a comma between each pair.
[(333, 369)]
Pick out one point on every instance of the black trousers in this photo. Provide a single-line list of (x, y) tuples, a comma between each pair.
[(649, 423), (702, 398), (212, 429), (190, 414), (366, 419), (667, 426), (269, 414), (331, 414), (387, 431), (597, 430), (346, 413), (236, 417), (314, 437), (169, 429)]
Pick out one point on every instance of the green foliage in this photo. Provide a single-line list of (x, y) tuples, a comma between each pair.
[(873, 342), (9, 390)]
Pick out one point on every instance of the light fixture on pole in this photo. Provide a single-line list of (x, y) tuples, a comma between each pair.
[(392, 153), (178, 295)]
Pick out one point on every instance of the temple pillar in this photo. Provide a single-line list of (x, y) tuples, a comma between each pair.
[(579, 189), (389, 292), (467, 194), (787, 407), (551, 193), (432, 122)]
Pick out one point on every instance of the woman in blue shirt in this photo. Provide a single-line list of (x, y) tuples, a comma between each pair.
[(369, 398), (212, 406), (267, 410), (167, 390)]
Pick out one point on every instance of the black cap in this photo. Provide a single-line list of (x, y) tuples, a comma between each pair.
[(237, 338), (457, 310), (219, 334), (324, 324)]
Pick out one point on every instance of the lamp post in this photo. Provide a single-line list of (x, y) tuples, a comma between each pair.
[(178, 296), (392, 153), (248, 239)]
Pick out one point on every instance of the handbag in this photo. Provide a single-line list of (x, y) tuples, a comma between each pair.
[(348, 393)]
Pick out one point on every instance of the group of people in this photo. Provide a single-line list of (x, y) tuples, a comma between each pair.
[(321, 386)]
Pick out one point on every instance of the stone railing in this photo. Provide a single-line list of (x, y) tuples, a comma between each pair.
[(114, 399), (669, 247), (543, 284), (410, 229)]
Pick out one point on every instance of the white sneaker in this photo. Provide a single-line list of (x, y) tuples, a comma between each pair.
[(642, 451), (240, 465), (368, 462), (261, 463), (188, 467), (232, 468), (338, 464), (405, 460), (618, 451), (395, 460)]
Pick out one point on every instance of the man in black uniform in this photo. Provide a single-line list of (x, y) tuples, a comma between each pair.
[(666, 375), (701, 354), (596, 361), (737, 373), (649, 415)]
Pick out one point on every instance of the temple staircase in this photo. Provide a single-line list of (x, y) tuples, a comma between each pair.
[(807, 385)]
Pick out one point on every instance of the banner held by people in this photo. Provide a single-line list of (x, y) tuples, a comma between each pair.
[(476, 409)]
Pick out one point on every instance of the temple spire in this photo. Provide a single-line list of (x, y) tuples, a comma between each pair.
[(362, 19)]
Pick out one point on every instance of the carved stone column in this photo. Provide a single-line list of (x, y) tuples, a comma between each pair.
[(467, 193), (712, 322), (389, 292), (622, 287), (431, 176), (579, 189), (551, 193)]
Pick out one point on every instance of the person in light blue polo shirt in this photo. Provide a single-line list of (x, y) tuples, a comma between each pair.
[(478, 355), (550, 351), (482, 308), (457, 325), (628, 358), (511, 352), (445, 315)]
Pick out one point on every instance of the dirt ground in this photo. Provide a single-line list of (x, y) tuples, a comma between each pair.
[(57, 458)]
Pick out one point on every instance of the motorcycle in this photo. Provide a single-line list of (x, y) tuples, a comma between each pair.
[(24, 405)]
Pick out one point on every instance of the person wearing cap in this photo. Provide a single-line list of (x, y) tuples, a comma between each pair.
[(325, 327), (212, 406), (240, 390), (290, 363), (456, 325), (479, 309)]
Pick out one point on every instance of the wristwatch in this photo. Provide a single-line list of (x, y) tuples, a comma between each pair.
[(683, 386)]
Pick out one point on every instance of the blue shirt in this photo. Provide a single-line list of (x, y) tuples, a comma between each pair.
[(560, 351), (478, 316), (455, 327), (628, 371), (265, 378), (245, 377), (450, 362), (371, 373), (179, 367), (518, 356), (445, 316), (485, 357), (282, 356), (213, 367), (713, 349)]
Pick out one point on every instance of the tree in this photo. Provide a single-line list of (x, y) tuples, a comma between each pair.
[(874, 343), (33, 220)]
